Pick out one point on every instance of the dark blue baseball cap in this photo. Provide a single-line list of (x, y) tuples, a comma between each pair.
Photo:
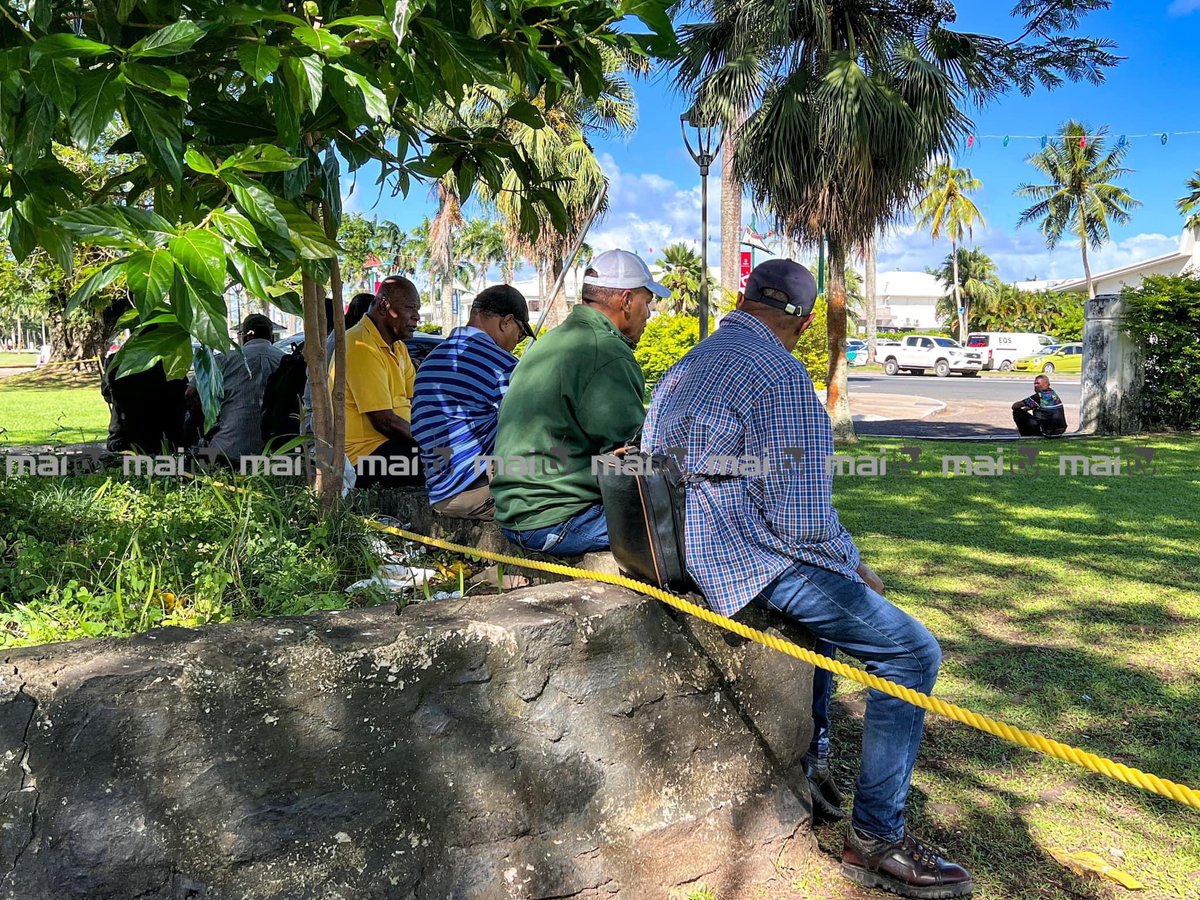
[(783, 284)]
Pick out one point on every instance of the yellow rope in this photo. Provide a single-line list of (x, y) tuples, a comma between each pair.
[(1115, 770)]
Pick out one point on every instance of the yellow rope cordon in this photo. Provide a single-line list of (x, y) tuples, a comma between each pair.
[(1115, 770)]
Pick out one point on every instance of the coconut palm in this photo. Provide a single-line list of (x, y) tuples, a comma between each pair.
[(681, 275), (1190, 205), (849, 100), (483, 243), (945, 207), (1081, 198), (971, 277)]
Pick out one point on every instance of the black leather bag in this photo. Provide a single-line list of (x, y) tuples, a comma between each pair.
[(644, 502)]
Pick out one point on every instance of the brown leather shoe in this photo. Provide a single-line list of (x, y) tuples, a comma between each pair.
[(906, 867)]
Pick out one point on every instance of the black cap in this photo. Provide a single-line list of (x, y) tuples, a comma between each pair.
[(783, 284), (258, 325), (504, 300)]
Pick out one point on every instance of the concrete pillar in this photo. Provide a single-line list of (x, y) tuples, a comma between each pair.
[(1112, 370)]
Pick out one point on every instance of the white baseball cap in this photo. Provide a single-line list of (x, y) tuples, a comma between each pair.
[(623, 271)]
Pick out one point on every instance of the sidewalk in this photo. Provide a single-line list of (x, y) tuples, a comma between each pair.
[(868, 407)]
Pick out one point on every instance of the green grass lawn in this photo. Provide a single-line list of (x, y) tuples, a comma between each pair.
[(13, 360), (55, 407), (1064, 605)]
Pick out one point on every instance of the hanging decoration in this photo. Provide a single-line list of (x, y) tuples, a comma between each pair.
[(970, 141), (1082, 142), (1006, 140)]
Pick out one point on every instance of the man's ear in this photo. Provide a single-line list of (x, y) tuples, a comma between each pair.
[(740, 299), (808, 320)]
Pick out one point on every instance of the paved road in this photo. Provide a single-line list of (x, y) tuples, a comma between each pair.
[(983, 388)]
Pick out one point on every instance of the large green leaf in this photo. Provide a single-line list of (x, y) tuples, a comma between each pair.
[(306, 235), (96, 106), (155, 230), (210, 384), (171, 40), (156, 129), (166, 342), (157, 78), (199, 310), (287, 112), (202, 253), (198, 162), (104, 226), (97, 281), (287, 299), (238, 229), (149, 274), (323, 41), (35, 128), (57, 79), (253, 275), (257, 203), (373, 99), (309, 74), (65, 44), (57, 243), (259, 60), (261, 158)]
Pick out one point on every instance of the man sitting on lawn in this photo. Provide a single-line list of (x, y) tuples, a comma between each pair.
[(577, 393), (244, 378), (456, 401), (1040, 414), (774, 539), (379, 388)]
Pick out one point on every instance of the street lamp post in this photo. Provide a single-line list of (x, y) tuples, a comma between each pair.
[(708, 138)]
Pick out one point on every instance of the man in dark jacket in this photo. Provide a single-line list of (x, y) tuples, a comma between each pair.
[(1040, 414)]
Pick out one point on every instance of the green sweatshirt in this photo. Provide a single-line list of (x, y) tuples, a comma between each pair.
[(575, 394)]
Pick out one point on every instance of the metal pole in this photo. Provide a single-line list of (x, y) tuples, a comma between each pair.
[(570, 261), (703, 252)]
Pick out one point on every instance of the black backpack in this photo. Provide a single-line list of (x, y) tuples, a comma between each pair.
[(282, 399)]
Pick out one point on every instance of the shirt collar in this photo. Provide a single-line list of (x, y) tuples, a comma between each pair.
[(596, 318), (370, 329)]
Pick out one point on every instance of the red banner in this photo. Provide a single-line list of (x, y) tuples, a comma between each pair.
[(747, 263)]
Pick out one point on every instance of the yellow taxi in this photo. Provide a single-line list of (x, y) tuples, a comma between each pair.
[(1056, 358)]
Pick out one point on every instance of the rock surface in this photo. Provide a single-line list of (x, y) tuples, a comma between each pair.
[(566, 740)]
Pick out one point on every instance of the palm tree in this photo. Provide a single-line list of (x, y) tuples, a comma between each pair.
[(974, 283), (483, 243), (946, 208), (1081, 198), (681, 274), (1190, 205)]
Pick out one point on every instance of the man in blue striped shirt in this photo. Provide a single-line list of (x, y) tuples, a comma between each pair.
[(767, 533), (456, 400)]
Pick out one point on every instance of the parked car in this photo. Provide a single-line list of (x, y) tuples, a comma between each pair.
[(419, 345), (1001, 349), (857, 352), (1065, 358), (916, 353)]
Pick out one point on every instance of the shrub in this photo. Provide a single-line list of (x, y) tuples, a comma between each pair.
[(666, 339), (813, 349), (1163, 317)]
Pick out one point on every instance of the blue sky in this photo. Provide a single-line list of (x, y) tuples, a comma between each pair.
[(655, 186)]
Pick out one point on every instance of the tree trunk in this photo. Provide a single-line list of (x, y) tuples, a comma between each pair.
[(872, 311), (557, 303), (327, 454), (20, 334), (1087, 269), (731, 214), (82, 334), (958, 305), (837, 397), (338, 392)]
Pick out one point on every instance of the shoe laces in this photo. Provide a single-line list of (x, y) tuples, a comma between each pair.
[(922, 853)]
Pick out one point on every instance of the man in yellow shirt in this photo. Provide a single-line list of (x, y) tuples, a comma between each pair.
[(379, 388)]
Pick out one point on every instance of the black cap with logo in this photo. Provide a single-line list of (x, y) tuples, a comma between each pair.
[(783, 284), (504, 300)]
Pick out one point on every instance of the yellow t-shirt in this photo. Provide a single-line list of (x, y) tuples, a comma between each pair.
[(377, 377)]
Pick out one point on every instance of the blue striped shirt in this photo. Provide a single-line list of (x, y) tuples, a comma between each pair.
[(740, 395), (456, 400)]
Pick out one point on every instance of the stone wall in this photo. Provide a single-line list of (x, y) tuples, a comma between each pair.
[(562, 740)]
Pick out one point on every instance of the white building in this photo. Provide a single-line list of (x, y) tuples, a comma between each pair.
[(1185, 259), (908, 300)]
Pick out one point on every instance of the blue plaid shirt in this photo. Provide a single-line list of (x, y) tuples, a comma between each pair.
[(736, 398)]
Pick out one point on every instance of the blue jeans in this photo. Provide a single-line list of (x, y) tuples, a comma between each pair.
[(585, 532), (891, 644)]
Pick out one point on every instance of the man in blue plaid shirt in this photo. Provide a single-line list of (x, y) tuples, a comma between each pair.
[(737, 402)]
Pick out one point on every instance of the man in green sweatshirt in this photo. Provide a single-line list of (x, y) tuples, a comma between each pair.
[(576, 394)]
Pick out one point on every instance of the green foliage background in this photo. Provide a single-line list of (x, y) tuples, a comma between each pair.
[(1163, 315)]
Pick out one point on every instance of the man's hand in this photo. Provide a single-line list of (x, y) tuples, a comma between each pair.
[(389, 424), (867, 574)]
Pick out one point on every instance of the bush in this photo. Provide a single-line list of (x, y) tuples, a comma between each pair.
[(93, 557), (813, 349), (1163, 317), (666, 339)]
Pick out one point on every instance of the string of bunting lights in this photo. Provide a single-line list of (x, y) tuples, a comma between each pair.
[(1084, 139)]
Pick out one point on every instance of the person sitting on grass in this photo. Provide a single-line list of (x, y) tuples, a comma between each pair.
[(773, 538), (1041, 414), (379, 388), (577, 393), (456, 401)]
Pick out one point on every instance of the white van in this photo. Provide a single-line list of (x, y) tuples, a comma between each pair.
[(1000, 349)]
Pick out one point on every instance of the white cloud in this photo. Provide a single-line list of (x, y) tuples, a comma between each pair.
[(1183, 7)]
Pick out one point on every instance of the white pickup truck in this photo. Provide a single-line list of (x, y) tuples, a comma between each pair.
[(916, 353)]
